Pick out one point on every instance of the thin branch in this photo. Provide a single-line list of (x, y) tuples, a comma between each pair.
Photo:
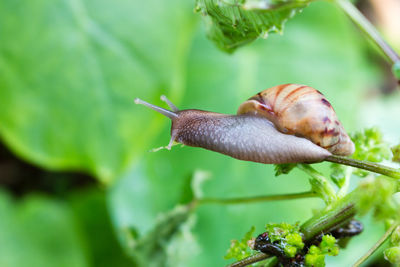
[(250, 260), (246, 200), (369, 166), (320, 184), (362, 22), (329, 219), (345, 187), (379, 243)]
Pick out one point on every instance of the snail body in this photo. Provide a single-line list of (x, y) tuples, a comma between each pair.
[(249, 136)]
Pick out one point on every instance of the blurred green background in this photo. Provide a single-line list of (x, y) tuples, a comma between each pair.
[(78, 185)]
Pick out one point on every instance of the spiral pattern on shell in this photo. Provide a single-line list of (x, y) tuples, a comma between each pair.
[(302, 111)]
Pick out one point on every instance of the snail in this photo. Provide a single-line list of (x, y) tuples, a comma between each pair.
[(288, 123)]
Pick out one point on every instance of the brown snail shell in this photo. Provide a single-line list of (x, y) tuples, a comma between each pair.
[(302, 111)]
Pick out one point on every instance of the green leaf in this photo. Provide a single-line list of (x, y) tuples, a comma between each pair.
[(376, 194), (70, 71), (169, 243), (286, 236), (395, 238), (295, 240), (320, 184), (39, 231), (328, 245), (392, 255), (370, 146), (231, 24), (396, 153), (338, 175), (90, 209), (278, 231), (240, 250), (315, 256)]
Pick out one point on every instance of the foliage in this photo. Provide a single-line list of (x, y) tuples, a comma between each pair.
[(286, 236), (370, 145), (240, 250), (68, 74), (373, 193), (396, 153), (168, 244), (338, 174), (377, 194), (42, 231), (66, 97), (392, 254), (316, 255), (234, 23)]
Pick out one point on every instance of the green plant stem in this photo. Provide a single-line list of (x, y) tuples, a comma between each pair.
[(330, 218), (369, 166), (362, 22), (253, 259), (320, 184), (327, 220), (379, 243), (345, 187), (246, 200)]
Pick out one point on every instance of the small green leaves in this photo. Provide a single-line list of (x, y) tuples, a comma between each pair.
[(320, 184), (240, 250), (286, 236), (290, 251), (165, 242), (377, 194), (328, 245), (395, 238), (338, 175), (396, 153), (316, 255), (294, 243), (234, 23), (278, 231), (393, 255), (370, 145), (295, 239), (396, 69)]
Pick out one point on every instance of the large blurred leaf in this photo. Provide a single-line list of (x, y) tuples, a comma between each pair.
[(170, 243), (103, 248), (69, 71), (152, 236), (234, 23), (39, 232)]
